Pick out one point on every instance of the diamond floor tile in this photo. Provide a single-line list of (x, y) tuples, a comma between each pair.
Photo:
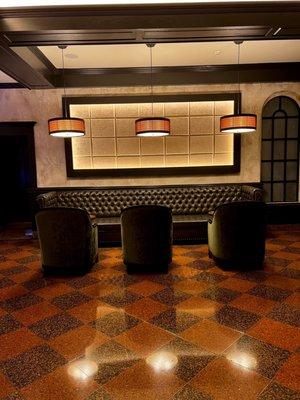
[(190, 357), (115, 323), (6, 388), (16, 342), (51, 327), (236, 318), (8, 324), (189, 393), (63, 384), (145, 308), (211, 336), (286, 313), (277, 333), (142, 381), (174, 320), (170, 297), (144, 339), (111, 358), (78, 342), (30, 365), (277, 392), (258, 356), (289, 374), (222, 380), (20, 302)]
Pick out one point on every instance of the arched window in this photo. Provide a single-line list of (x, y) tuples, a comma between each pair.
[(280, 149)]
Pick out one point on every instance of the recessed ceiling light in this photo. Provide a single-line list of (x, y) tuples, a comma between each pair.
[(217, 52), (71, 56)]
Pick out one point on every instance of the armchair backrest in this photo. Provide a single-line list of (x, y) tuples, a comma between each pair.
[(147, 233), (63, 234), (242, 211), (241, 224)]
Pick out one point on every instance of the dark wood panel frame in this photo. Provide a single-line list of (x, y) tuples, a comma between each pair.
[(162, 171)]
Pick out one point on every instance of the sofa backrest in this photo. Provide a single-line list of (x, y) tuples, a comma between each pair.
[(182, 199)]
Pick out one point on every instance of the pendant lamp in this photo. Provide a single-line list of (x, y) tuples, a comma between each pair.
[(152, 126), (238, 122), (65, 127)]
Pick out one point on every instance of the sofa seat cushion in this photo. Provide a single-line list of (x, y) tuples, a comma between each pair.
[(175, 218), (190, 218), (107, 221)]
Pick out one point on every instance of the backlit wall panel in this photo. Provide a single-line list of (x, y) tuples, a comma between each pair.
[(110, 140)]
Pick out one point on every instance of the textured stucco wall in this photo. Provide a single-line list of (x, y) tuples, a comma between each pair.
[(40, 105)]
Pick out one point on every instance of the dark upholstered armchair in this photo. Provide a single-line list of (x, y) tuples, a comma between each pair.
[(147, 238), (236, 235), (68, 240)]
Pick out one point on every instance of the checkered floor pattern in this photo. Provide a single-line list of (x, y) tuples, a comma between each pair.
[(196, 333)]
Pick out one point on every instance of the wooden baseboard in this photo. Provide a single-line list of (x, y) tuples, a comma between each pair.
[(283, 213)]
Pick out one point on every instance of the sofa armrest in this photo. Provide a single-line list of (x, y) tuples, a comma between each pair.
[(210, 216), (47, 200), (252, 193), (93, 220)]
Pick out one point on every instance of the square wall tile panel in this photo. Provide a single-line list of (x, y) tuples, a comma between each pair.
[(110, 143)]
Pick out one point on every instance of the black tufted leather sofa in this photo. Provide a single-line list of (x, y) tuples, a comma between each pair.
[(190, 205)]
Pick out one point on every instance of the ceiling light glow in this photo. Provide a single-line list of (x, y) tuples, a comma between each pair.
[(82, 370), (162, 361), (244, 359)]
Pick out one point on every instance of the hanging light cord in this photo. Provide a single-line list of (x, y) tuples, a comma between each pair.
[(238, 43), (151, 77), (62, 47), (239, 83), (150, 45)]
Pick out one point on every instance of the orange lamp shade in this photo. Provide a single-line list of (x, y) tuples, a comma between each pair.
[(238, 123), (152, 126), (66, 127)]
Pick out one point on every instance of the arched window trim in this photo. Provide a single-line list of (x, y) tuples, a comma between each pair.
[(272, 161)]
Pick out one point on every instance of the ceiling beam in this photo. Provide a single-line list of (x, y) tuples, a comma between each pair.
[(25, 72), (204, 74), (120, 36), (11, 85), (72, 25)]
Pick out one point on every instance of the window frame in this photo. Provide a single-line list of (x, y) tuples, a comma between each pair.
[(285, 139)]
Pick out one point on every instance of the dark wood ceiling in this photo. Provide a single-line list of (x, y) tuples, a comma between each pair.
[(31, 27)]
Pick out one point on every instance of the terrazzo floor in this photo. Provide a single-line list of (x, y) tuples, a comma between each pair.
[(197, 333)]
